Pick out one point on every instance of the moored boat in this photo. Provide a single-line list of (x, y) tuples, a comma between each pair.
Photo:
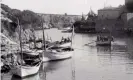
[(27, 66), (33, 77), (104, 40), (25, 70), (103, 43), (58, 53), (65, 42), (57, 50), (21, 66)]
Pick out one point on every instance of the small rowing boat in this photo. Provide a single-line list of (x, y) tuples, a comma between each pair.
[(104, 40)]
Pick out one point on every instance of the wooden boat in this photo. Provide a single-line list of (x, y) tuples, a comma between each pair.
[(43, 57), (54, 55), (60, 44), (25, 70), (20, 67), (30, 65), (33, 77), (103, 43), (104, 40), (63, 51), (67, 44), (57, 50), (57, 53), (64, 43)]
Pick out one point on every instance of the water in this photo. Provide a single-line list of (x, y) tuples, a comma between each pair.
[(89, 62)]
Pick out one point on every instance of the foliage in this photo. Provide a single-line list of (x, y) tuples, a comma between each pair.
[(5, 7), (77, 24), (25, 17), (36, 20)]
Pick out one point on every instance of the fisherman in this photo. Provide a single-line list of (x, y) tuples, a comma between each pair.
[(68, 39), (112, 38), (65, 40), (98, 38), (105, 38), (62, 39)]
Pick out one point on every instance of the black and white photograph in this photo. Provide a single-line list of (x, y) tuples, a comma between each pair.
[(66, 40)]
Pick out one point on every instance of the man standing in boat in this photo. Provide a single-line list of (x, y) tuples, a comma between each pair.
[(111, 38)]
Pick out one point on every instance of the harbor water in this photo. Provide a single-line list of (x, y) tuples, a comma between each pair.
[(89, 62)]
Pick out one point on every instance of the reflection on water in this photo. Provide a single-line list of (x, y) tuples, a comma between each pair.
[(91, 62), (55, 70), (33, 77), (103, 49), (54, 65)]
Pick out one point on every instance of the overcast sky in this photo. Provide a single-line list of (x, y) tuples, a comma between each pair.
[(61, 6)]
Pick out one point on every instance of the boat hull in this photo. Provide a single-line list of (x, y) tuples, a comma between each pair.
[(54, 55), (32, 77), (58, 55), (66, 44), (24, 71), (45, 59), (103, 43)]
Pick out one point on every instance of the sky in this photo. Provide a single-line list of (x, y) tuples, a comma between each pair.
[(74, 7)]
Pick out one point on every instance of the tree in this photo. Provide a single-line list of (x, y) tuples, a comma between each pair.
[(83, 18), (5, 8)]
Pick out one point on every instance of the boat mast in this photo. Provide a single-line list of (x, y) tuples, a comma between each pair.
[(20, 39), (72, 35), (44, 41), (44, 48), (34, 38), (72, 60)]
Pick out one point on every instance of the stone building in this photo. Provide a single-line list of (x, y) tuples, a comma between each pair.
[(111, 19), (129, 5), (108, 13)]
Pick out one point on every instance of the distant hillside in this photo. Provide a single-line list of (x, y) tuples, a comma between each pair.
[(30, 20), (9, 24), (60, 20)]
